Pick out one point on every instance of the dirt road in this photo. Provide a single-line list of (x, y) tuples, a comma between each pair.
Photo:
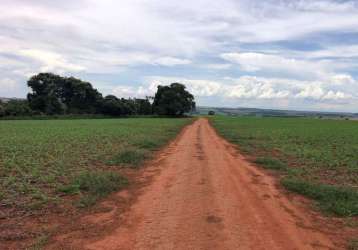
[(208, 197)]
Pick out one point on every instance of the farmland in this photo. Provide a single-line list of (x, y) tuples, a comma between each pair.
[(42, 161), (56, 172), (317, 158)]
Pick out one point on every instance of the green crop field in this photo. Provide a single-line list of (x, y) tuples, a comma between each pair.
[(317, 158), (42, 161)]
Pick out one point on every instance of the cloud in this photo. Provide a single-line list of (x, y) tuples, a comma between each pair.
[(293, 52), (334, 51), (248, 88), (311, 92), (217, 66), (51, 61), (289, 20), (253, 62), (123, 59), (125, 92), (7, 83), (342, 80), (142, 91), (251, 87), (331, 95), (199, 87), (171, 61), (324, 6), (9, 86), (316, 92), (196, 86)]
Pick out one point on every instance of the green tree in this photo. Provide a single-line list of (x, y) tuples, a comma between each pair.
[(80, 97), (2, 109), (17, 108), (143, 106), (173, 100), (111, 105), (53, 94), (46, 93)]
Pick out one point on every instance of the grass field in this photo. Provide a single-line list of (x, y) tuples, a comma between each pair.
[(40, 161), (318, 158)]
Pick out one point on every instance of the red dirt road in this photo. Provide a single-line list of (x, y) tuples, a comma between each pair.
[(208, 197)]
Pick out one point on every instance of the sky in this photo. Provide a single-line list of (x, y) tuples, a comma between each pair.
[(281, 54)]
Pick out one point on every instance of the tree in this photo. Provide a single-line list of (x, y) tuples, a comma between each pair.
[(173, 100), (80, 97), (111, 105), (2, 109), (17, 108), (53, 94), (46, 93), (143, 106), (129, 107)]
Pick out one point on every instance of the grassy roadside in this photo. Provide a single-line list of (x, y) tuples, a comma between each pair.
[(43, 161), (316, 158)]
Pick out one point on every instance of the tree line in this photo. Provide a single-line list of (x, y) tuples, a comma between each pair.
[(52, 94)]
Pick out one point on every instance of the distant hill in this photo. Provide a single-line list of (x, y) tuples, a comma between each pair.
[(274, 112)]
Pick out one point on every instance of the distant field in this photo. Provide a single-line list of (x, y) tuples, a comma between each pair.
[(317, 157), (40, 161)]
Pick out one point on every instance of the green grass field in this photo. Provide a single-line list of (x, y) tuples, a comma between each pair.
[(40, 161), (318, 158)]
